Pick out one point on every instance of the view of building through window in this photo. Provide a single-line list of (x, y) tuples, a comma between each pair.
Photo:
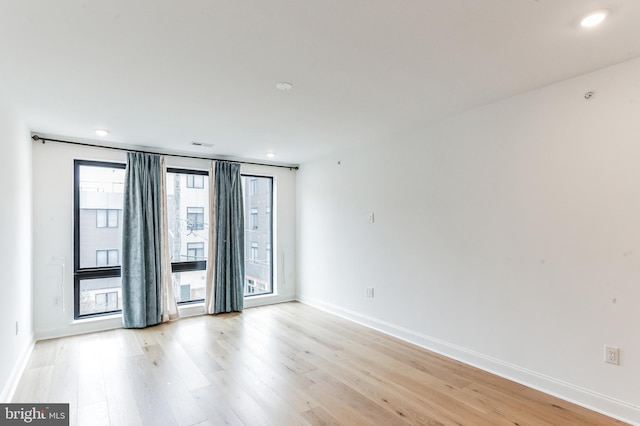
[(100, 194), (99, 199), (188, 217), (258, 198)]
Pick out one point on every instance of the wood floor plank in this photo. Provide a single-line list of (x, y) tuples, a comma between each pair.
[(169, 382), (152, 405), (286, 364), (213, 402), (121, 402)]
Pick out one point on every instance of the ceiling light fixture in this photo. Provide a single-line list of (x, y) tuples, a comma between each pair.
[(271, 154), (283, 85), (594, 19), (101, 132)]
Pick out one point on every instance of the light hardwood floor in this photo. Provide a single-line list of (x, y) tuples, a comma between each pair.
[(286, 364)]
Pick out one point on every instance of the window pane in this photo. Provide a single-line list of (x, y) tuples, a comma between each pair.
[(100, 295), (112, 221), (101, 218), (101, 190), (195, 251), (188, 212), (258, 238), (101, 258), (114, 258), (189, 286)]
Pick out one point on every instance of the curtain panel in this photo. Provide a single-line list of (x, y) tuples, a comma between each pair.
[(142, 241), (228, 237)]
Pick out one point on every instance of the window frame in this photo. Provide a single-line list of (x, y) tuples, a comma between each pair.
[(190, 265), (197, 247), (107, 253), (269, 226), (191, 183), (81, 274), (195, 225), (108, 222)]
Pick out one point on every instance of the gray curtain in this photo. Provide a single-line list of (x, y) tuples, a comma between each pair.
[(229, 238), (141, 241)]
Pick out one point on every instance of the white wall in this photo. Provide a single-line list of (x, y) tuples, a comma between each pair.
[(507, 237), (15, 250), (53, 236)]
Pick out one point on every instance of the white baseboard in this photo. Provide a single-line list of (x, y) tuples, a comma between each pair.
[(12, 384), (103, 323), (606, 405)]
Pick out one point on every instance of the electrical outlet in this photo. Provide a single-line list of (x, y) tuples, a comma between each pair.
[(369, 291), (612, 355)]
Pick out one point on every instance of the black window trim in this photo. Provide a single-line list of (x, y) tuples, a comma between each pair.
[(191, 265), (80, 274), (270, 225)]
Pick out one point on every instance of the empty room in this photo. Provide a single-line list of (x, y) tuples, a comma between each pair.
[(366, 212)]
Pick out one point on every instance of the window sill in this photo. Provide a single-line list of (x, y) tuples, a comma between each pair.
[(183, 309), (96, 319)]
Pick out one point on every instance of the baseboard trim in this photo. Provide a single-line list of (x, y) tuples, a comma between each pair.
[(12, 384), (617, 409), (97, 324)]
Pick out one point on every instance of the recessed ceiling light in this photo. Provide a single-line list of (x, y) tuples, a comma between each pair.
[(283, 85), (271, 154), (594, 19), (101, 132)]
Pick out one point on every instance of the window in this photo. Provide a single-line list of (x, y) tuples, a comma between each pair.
[(195, 218), (107, 218), (254, 218), (98, 199), (188, 232), (98, 191), (258, 201), (195, 251), (107, 301), (107, 257), (195, 181)]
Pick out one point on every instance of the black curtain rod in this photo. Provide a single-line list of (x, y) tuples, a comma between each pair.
[(37, 138)]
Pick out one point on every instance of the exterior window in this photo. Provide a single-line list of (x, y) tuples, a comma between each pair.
[(195, 251), (254, 218), (107, 301), (98, 199), (258, 202), (107, 257), (107, 218), (98, 191), (195, 218), (188, 232), (195, 181), (250, 287)]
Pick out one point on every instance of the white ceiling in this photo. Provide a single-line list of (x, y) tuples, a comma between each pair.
[(164, 73)]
